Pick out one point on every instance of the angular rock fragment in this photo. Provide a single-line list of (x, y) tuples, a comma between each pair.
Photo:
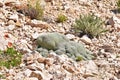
[(37, 75), (1, 5), (86, 40)]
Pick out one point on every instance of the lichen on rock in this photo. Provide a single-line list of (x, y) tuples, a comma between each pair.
[(61, 45)]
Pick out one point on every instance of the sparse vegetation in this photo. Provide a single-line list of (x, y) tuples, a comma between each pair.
[(61, 18), (118, 5), (89, 25), (35, 11), (10, 58), (79, 58), (2, 76)]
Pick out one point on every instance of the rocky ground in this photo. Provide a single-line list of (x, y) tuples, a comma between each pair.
[(18, 30)]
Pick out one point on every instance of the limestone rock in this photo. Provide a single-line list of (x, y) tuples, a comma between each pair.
[(69, 68), (36, 74), (70, 36), (11, 27), (1, 5), (35, 35), (86, 39), (14, 17), (92, 68), (41, 60), (27, 72), (32, 78)]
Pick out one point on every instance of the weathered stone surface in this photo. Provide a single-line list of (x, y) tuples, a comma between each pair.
[(36, 74), (61, 45), (1, 5), (32, 78), (14, 17), (70, 36), (86, 40)]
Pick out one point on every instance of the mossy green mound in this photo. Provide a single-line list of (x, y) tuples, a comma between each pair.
[(61, 45)]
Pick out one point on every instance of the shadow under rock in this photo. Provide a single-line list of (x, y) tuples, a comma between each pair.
[(115, 11)]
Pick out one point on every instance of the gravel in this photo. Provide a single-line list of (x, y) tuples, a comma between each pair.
[(20, 31)]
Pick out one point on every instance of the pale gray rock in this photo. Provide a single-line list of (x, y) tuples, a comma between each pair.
[(92, 78), (118, 43), (27, 72), (86, 40), (35, 35), (14, 17), (32, 78), (91, 67), (11, 27), (37, 75), (41, 75), (70, 36)]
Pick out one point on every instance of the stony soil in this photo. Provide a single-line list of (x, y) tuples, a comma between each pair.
[(18, 30)]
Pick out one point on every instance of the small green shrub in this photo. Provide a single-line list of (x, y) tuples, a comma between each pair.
[(89, 25), (118, 5), (61, 18), (10, 58), (35, 11), (2, 76), (79, 58)]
